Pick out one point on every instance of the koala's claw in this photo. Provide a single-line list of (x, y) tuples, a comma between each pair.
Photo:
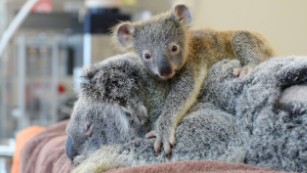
[(157, 145), (242, 72), (168, 143), (151, 134), (172, 140)]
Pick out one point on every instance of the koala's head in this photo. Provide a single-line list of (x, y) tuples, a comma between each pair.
[(94, 124), (161, 42), (107, 111)]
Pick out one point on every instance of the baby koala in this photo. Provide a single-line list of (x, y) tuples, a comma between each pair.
[(174, 53)]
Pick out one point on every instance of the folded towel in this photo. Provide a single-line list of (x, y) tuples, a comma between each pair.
[(21, 139), (44, 150)]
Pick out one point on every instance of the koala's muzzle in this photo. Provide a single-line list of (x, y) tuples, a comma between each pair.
[(70, 150), (164, 66)]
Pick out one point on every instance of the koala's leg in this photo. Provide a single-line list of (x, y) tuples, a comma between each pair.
[(293, 71), (222, 87), (250, 49), (292, 79), (293, 99)]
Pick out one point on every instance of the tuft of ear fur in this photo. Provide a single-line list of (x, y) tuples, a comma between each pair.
[(122, 34), (182, 13), (88, 84), (111, 80)]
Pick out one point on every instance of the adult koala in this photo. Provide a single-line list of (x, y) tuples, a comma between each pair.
[(255, 130), (119, 103)]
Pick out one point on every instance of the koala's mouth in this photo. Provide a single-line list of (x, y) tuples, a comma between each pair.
[(165, 78), (168, 76)]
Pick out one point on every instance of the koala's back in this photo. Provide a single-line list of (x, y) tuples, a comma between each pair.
[(218, 45), (210, 42)]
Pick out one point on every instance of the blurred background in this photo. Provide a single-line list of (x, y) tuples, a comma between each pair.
[(45, 43)]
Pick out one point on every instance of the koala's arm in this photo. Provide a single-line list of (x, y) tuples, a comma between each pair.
[(182, 96)]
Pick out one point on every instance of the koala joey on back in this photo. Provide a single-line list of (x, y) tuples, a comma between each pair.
[(117, 105), (173, 52)]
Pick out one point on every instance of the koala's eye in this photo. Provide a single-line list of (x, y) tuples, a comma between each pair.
[(87, 126), (147, 56), (88, 129), (173, 49)]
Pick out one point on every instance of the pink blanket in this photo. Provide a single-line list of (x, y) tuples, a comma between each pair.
[(45, 153)]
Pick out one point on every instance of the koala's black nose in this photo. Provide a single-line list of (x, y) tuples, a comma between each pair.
[(166, 72), (70, 151), (164, 66)]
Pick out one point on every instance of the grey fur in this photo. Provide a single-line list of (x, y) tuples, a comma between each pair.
[(236, 120), (274, 125)]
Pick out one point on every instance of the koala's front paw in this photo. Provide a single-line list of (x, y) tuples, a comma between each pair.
[(168, 140), (244, 71)]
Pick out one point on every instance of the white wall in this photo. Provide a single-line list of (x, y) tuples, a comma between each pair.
[(282, 22)]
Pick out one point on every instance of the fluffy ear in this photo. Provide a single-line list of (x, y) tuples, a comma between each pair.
[(111, 80), (88, 85), (182, 13), (123, 34)]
